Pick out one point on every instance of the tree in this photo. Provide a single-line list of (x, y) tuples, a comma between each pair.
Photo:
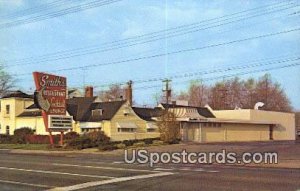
[(197, 94), (237, 93), (115, 92), (6, 82), (272, 95), (168, 128)]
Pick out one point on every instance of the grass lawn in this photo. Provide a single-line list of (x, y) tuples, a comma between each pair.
[(25, 146)]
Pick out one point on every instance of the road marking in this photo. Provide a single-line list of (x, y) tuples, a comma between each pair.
[(118, 162), (54, 172), (164, 169), (25, 184), (101, 167), (103, 182)]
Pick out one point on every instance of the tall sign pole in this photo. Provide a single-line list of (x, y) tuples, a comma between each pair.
[(50, 96)]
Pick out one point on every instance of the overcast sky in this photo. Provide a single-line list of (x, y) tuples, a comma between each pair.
[(89, 32)]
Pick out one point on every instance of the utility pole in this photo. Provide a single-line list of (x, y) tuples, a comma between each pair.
[(167, 90)]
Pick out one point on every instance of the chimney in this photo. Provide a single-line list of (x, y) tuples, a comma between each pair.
[(129, 92), (89, 91)]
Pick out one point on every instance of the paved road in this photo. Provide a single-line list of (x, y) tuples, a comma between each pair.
[(95, 172)]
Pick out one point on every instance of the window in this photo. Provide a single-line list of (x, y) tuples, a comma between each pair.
[(7, 109), (126, 130), (7, 130), (151, 130), (97, 112)]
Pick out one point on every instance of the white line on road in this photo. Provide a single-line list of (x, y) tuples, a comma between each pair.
[(25, 184), (103, 182), (101, 167), (54, 172)]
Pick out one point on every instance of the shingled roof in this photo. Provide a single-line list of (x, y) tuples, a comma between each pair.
[(203, 111), (81, 108), (147, 113), (17, 94), (35, 113)]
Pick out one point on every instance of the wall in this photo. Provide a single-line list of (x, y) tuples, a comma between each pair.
[(284, 130), (227, 132), (141, 131), (17, 106), (36, 123)]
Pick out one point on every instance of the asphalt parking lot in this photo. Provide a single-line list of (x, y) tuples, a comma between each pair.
[(20, 171)]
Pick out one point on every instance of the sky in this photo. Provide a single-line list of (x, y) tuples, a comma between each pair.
[(198, 40)]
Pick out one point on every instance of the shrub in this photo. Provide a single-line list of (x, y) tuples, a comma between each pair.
[(5, 139), (107, 147), (81, 142), (71, 135), (129, 143), (37, 139), (20, 135), (121, 146), (174, 141), (98, 138), (139, 144), (148, 141)]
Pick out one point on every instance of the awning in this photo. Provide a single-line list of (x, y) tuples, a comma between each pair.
[(151, 126), (126, 125), (90, 125)]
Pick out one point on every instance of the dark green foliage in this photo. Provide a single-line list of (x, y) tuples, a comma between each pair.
[(19, 136)]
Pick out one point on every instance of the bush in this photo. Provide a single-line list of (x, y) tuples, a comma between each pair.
[(139, 144), (121, 146), (149, 141), (129, 143), (98, 138), (71, 135), (37, 139), (5, 139), (175, 141), (81, 142), (41, 139), (107, 147), (20, 135)]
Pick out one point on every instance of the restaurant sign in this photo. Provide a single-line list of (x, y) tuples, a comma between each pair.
[(50, 94)]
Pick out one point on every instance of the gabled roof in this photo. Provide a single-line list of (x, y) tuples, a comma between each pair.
[(17, 94), (147, 113), (81, 109), (109, 109), (203, 111)]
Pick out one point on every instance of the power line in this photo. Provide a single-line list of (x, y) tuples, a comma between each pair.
[(258, 63), (133, 41), (34, 10), (228, 76), (173, 52), (66, 11)]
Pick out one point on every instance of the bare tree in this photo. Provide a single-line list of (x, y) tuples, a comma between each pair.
[(232, 93), (115, 92), (6, 82), (168, 128), (197, 94)]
